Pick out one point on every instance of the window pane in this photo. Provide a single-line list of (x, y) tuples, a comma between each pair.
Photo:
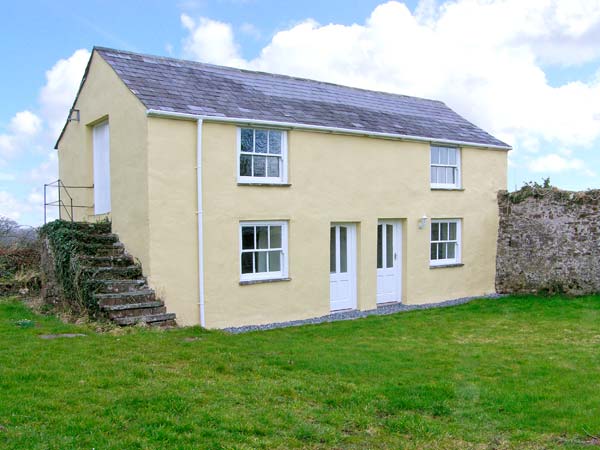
[(259, 166), (332, 250), (247, 238), (275, 237), (247, 139), (435, 155), (442, 251), (451, 250), (389, 250), (452, 156), (260, 262), (379, 247), (261, 141), (452, 231), (433, 252), (433, 175), (435, 231), (443, 155), (247, 262), (343, 250), (444, 231), (450, 171), (441, 175), (245, 165), (273, 166), (275, 261), (262, 235), (275, 142)]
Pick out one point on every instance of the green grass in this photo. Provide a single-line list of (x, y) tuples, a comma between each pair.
[(511, 373)]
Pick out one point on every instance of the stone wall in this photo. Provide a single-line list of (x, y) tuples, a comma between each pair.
[(51, 293), (548, 241)]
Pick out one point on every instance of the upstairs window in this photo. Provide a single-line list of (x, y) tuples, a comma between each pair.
[(445, 242), (262, 156), (445, 167)]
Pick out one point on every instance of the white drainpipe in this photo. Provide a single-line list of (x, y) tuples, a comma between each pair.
[(200, 233)]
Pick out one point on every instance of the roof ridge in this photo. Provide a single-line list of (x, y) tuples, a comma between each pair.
[(259, 72)]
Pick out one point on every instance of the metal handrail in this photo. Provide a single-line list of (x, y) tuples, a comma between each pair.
[(68, 207)]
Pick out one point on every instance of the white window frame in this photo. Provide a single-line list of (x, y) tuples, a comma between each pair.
[(456, 166), (458, 251), (283, 169), (281, 274)]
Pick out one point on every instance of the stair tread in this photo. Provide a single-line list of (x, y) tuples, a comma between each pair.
[(137, 293), (122, 281), (147, 318), (155, 304), (116, 268)]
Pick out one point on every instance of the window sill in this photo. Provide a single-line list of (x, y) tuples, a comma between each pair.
[(267, 280), (265, 184), (444, 266), (447, 189)]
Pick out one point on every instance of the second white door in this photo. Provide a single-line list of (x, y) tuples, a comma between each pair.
[(389, 259)]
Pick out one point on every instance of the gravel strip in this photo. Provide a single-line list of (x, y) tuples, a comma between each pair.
[(383, 310)]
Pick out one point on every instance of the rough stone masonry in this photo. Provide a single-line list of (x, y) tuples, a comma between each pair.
[(548, 241)]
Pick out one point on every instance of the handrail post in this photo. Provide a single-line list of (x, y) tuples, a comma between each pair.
[(59, 202), (72, 219), (45, 203)]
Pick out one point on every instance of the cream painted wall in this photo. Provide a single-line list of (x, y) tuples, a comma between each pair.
[(338, 178), (104, 96), (172, 194)]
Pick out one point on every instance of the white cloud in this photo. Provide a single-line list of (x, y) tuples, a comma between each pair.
[(29, 140), (23, 127), (62, 82), (210, 41), (11, 207), (484, 58), (46, 171), (555, 163), (25, 123)]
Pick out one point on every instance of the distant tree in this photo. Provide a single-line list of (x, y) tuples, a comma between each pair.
[(11, 233)]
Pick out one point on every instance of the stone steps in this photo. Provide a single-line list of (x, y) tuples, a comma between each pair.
[(114, 272), (123, 285), (137, 310), (125, 298), (107, 261), (122, 292), (166, 319)]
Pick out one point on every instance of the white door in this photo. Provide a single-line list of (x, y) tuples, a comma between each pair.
[(101, 168), (342, 266), (389, 259)]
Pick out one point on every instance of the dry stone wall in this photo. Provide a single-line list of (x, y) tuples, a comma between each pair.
[(548, 242)]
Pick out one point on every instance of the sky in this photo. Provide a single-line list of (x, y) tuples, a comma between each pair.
[(526, 71)]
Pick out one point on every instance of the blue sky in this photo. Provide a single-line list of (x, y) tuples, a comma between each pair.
[(526, 71)]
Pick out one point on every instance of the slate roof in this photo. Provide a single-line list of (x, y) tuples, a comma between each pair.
[(196, 88)]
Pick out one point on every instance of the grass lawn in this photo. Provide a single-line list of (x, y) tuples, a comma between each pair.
[(510, 373)]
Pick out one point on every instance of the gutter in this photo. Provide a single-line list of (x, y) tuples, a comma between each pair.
[(319, 128)]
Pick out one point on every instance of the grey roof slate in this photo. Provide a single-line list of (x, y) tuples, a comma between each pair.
[(196, 88)]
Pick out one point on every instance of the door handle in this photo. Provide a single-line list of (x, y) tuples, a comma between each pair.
[(395, 256)]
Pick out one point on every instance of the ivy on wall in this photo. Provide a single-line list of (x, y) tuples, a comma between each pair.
[(71, 243)]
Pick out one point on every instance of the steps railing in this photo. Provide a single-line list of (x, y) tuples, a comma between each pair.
[(62, 203)]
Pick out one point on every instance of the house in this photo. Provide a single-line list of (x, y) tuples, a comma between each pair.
[(252, 198)]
